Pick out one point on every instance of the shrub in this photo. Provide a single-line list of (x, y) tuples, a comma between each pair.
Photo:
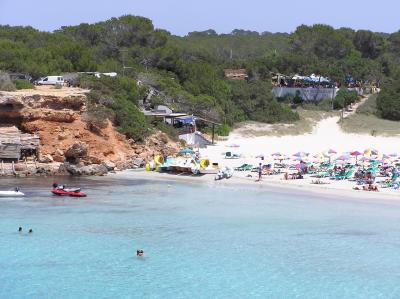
[(97, 116), (223, 130), (23, 84), (344, 98), (167, 129), (129, 120), (297, 99), (5, 82), (388, 101)]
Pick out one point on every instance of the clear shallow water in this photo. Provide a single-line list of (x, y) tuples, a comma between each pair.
[(200, 242)]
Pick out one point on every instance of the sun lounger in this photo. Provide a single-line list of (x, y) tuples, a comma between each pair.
[(244, 167)]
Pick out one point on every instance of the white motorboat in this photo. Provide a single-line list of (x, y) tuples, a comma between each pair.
[(15, 193)]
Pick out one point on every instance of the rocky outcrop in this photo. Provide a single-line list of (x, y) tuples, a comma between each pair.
[(76, 152), (58, 117), (94, 169)]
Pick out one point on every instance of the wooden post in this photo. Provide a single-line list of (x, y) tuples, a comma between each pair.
[(213, 133), (13, 168)]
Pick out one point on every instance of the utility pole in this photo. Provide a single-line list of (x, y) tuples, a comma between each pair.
[(123, 61)]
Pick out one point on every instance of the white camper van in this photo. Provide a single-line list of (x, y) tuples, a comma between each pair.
[(51, 80)]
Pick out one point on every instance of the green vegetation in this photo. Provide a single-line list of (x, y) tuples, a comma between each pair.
[(388, 102), (23, 84), (120, 96), (344, 98), (188, 71), (366, 120), (5, 82)]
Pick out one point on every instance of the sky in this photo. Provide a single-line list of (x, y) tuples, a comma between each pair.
[(183, 16)]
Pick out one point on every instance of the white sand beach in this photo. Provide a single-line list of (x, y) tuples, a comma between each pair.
[(326, 135)]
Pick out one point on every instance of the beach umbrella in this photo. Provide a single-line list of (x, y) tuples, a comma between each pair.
[(301, 154), (370, 152), (261, 156), (356, 153), (233, 145), (277, 154), (393, 155), (343, 157), (281, 158)]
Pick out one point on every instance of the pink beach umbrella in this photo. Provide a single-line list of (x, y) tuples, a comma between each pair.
[(233, 145), (356, 154), (343, 157)]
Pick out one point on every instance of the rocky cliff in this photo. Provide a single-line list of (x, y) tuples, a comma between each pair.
[(57, 116)]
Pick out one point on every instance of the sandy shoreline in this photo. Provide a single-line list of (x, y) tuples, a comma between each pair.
[(274, 184)]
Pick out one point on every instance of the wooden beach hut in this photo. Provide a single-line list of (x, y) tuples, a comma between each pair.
[(15, 145)]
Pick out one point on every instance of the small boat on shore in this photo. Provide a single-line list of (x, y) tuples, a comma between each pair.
[(13, 193), (225, 173)]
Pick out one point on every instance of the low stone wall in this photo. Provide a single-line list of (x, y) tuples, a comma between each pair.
[(308, 94)]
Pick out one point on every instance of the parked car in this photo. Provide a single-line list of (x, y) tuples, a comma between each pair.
[(20, 76), (71, 79), (51, 80)]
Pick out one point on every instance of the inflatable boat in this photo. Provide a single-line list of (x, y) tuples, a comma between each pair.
[(68, 192)]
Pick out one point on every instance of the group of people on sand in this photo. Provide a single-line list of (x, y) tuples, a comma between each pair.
[(369, 187)]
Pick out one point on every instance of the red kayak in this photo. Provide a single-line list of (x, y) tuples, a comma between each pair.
[(62, 192)]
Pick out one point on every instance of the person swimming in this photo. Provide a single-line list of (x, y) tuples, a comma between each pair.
[(139, 252), (30, 231), (20, 229)]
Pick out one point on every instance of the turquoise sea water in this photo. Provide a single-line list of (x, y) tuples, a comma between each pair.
[(200, 242)]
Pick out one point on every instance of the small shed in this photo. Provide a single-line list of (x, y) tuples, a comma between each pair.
[(236, 74), (15, 145)]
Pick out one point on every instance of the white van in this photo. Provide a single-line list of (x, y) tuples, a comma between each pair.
[(51, 80)]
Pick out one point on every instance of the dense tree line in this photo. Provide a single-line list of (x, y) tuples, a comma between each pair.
[(188, 71)]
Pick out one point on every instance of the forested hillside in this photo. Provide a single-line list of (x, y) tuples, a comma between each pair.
[(189, 70)]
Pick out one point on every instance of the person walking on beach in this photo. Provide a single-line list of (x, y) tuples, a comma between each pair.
[(259, 172)]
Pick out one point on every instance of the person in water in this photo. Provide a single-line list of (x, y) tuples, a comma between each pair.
[(20, 229), (30, 231), (139, 252)]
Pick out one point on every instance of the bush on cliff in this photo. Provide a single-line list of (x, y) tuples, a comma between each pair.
[(116, 99), (5, 82)]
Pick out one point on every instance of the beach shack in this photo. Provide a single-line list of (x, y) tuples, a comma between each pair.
[(15, 145), (236, 74)]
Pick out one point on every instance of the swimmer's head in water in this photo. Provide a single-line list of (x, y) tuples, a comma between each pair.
[(20, 229)]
